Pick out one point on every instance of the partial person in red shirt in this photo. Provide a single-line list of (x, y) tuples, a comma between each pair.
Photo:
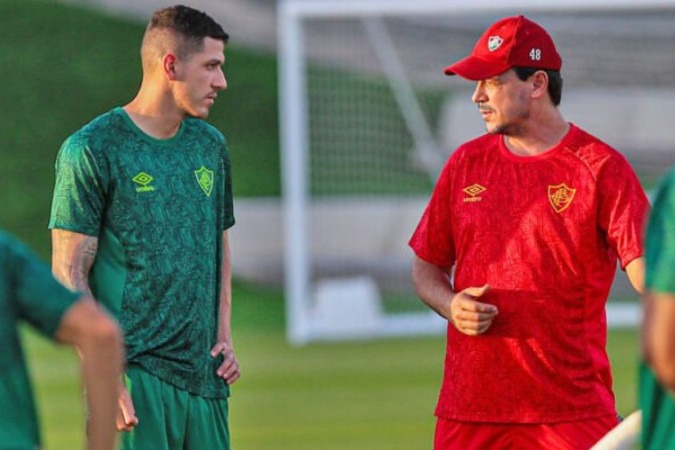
[(517, 249)]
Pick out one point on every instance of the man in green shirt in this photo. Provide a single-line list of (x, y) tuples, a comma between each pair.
[(141, 208), (657, 373), (29, 293)]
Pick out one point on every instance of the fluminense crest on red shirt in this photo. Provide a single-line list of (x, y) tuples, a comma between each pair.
[(560, 196), (472, 192)]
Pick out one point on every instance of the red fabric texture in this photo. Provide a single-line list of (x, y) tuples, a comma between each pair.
[(578, 435), (545, 233)]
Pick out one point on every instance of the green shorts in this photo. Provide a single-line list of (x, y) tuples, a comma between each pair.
[(173, 419)]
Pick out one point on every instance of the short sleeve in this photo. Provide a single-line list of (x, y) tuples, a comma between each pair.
[(623, 209), (660, 240), (39, 298), (228, 196), (432, 240), (79, 194)]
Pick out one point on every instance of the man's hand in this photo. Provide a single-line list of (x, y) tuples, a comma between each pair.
[(470, 316), (126, 414), (229, 369)]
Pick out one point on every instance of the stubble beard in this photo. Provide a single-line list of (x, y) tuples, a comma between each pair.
[(512, 128)]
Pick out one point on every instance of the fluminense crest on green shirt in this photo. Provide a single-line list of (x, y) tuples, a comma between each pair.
[(143, 179), (205, 180)]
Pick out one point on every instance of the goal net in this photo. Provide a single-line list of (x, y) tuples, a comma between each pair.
[(368, 118)]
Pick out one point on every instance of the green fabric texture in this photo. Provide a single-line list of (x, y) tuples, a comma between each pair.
[(170, 419), (657, 404), (28, 293), (660, 241)]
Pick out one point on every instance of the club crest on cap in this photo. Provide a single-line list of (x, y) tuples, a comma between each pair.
[(494, 42)]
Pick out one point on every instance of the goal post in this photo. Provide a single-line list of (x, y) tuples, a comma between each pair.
[(367, 119)]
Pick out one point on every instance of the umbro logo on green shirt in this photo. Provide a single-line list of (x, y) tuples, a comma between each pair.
[(143, 179), (205, 180)]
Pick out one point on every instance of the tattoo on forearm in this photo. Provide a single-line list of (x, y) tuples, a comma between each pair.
[(73, 258), (83, 261)]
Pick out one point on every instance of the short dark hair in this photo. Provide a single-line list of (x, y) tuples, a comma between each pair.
[(190, 25), (555, 81)]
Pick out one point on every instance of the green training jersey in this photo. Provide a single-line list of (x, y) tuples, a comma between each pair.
[(658, 405), (28, 293), (158, 208)]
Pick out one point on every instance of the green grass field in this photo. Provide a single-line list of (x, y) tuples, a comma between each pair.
[(375, 395)]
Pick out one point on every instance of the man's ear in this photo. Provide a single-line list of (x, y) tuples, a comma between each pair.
[(539, 83), (169, 64)]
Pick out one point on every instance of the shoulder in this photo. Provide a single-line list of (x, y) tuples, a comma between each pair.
[(588, 147), (479, 144), (204, 129), (86, 139), (597, 155), (100, 124), (478, 148), (665, 193), (471, 154)]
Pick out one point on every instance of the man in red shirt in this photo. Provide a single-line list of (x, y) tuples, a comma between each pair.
[(517, 249)]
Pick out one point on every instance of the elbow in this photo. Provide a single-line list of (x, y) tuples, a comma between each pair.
[(426, 276), (108, 333), (416, 282), (414, 272), (420, 277)]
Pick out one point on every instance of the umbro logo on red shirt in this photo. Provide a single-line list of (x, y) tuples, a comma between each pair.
[(473, 192)]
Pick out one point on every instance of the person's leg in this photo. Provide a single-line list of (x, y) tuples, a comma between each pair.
[(207, 425)]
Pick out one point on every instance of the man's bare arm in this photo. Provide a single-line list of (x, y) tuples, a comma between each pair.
[(466, 310), (229, 369), (98, 341), (433, 286), (73, 255), (635, 271)]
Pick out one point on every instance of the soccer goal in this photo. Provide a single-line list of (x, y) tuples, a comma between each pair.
[(368, 118)]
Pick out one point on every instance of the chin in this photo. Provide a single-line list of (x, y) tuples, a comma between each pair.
[(198, 114), (495, 129)]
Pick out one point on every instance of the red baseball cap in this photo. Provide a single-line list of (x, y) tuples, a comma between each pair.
[(509, 42)]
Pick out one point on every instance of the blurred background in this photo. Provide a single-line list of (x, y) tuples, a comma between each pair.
[(355, 108)]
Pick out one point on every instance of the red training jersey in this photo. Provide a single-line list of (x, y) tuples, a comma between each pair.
[(545, 232)]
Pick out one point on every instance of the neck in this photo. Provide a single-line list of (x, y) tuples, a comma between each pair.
[(155, 113), (539, 135)]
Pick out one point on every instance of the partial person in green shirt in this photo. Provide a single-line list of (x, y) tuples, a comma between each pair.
[(657, 372), (140, 216), (30, 294)]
